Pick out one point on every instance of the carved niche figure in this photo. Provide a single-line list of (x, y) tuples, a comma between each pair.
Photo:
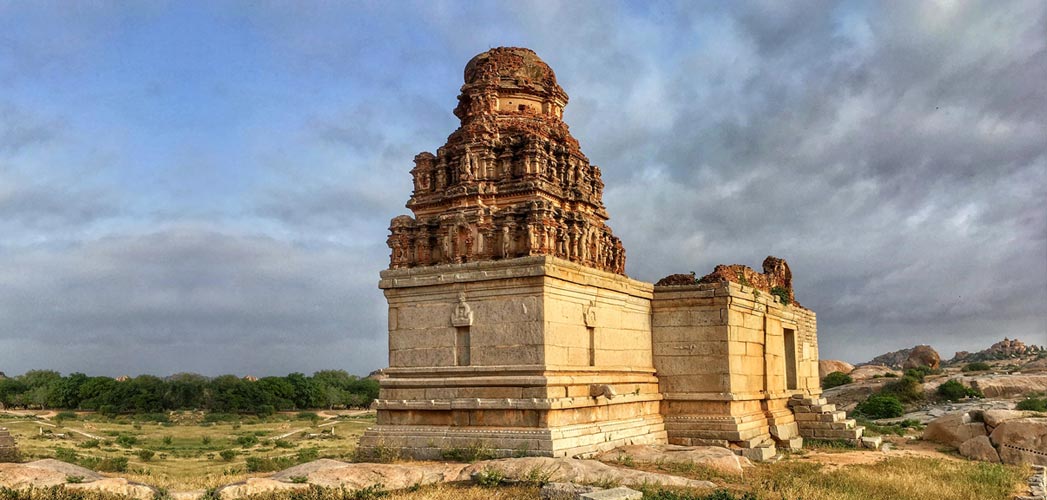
[(507, 244), (462, 315), (561, 236)]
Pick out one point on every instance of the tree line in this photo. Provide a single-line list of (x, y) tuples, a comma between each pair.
[(47, 389)]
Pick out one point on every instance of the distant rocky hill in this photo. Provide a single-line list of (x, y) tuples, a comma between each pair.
[(893, 359), (1004, 349)]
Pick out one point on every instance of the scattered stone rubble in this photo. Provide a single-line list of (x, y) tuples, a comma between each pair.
[(1037, 485)]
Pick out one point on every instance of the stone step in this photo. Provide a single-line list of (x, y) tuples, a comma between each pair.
[(873, 442), (758, 454)]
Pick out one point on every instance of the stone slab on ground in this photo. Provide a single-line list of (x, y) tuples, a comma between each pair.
[(872, 442), (564, 491), (620, 493), (711, 456), (116, 486)]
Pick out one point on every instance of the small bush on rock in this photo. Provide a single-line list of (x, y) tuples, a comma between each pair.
[(881, 406), (953, 390), (907, 389), (1033, 404), (979, 366), (836, 379)]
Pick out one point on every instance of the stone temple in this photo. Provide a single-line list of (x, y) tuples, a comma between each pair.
[(512, 326)]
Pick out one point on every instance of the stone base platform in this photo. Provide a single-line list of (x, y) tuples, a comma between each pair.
[(433, 442)]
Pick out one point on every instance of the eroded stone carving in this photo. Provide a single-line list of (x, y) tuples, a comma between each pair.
[(463, 313), (511, 169)]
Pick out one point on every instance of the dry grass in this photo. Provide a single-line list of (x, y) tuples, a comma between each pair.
[(191, 459)]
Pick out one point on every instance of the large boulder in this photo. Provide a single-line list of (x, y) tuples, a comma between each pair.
[(1022, 441), (257, 486), (827, 366), (922, 355), (980, 448), (711, 456), (953, 429), (865, 372), (993, 418)]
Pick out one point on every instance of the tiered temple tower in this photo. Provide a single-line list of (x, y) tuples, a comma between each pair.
[(510, 182)]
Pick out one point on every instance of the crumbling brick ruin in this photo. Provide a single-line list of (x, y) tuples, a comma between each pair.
[(512, 326), (8, 450)]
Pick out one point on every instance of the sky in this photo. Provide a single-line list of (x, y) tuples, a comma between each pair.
[(206, 186)]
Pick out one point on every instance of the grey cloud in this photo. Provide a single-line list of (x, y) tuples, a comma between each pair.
[(192, 288)]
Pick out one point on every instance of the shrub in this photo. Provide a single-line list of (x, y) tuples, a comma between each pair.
[(126, 441), (472, 453), (258, 464), (782, 294), (168, 440), (65, 415), (489, 477), (881, 406), (90, 443), (308, 454), (299, 479), (66, 455), (228, 455), (206, 440), (114, 464), (146, 455), (1033, 404), (247, 441), (265, 411), (836, 379), (979, 366), (283, 443), (953, 390), (907, 389), (74, 479)]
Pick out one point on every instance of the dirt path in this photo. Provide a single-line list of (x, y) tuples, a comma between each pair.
[(286, 434), (835, 460)]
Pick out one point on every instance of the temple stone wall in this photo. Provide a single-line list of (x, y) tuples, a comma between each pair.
[(534, 355), (728, 359)]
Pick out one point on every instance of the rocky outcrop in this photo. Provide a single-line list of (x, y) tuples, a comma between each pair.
[(576, 471), (922, 355), (1011, 437), (827, 366), (1021, 441), (710, 456), (864, 372), (116, 486), (891, 359), (51, 473), (1004, 349), (355, 476), (1004, 386)]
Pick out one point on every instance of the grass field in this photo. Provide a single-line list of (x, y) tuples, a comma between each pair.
[(189, 454)]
